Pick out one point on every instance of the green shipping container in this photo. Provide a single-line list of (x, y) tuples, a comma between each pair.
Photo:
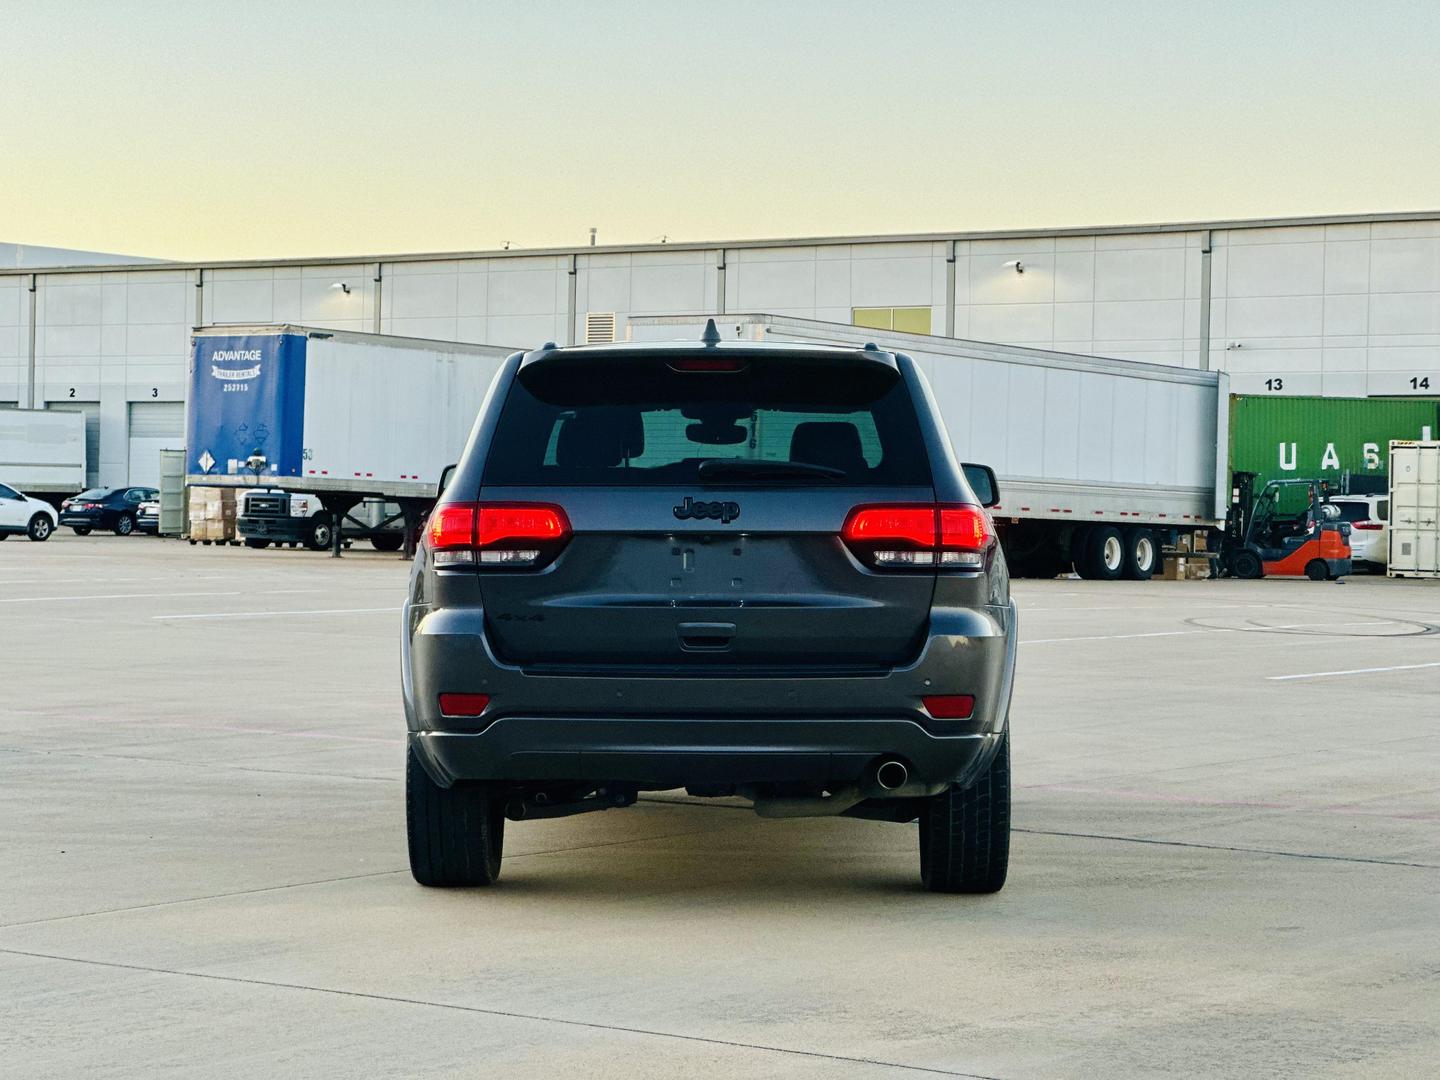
[(1304, 437)]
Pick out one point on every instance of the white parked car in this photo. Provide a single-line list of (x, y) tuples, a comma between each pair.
[(21, 515), (1367, 515)]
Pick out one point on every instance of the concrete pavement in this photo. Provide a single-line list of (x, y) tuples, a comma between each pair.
[(1226, 863)]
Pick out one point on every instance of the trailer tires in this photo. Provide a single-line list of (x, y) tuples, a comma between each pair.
[(455, 834), (1141, 554), (1246, 564), (965, 832), (387, 541), (1102, 553)]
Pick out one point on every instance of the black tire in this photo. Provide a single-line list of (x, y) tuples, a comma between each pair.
[(81, 530), (320, 535), (256, 542), (388, 541), (39, 528), (1142, 555), (1102, 553), (965, 832), (1317, 570), (455, 834), (125, 525), (1246, 564)]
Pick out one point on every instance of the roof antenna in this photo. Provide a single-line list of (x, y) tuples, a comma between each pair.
[(711, 336)]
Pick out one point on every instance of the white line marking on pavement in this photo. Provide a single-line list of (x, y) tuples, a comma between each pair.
[(273, 614), (1351, 671), (1112, 637), (1217, 630), (113, 596)]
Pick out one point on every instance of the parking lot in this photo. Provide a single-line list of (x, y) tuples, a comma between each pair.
[(1227, 857)]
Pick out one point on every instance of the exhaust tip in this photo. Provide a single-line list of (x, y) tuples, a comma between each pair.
[(891, 775)]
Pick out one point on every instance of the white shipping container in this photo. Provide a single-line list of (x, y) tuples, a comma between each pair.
[(1414, 530)]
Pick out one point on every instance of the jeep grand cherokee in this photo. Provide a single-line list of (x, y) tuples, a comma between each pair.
[(737, 568)]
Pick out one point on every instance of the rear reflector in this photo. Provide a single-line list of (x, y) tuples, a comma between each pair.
[(920, 536), (949, 706), (520, 536), (463, 704)]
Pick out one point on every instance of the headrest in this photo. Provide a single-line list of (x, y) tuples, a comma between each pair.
[(832, 443), (600, 438)]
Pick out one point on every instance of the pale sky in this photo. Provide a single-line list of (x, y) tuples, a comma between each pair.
[(264, 129)]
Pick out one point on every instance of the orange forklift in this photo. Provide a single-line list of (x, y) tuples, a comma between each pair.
[(1289, 529)]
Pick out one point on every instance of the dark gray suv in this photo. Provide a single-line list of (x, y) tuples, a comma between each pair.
[(738, 568)]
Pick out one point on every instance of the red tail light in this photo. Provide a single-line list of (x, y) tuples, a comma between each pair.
[(518, 536), (452, 526), (920, 536), (463, 704), (1368, 526), (949, 706)]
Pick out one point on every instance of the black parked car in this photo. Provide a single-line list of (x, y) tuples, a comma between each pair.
[(747, 569), (105, 508)]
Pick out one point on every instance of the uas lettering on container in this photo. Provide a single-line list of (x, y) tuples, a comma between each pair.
[(247, 398)]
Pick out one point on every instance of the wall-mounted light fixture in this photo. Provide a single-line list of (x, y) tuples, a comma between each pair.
[(1016, 265), (343, 286)]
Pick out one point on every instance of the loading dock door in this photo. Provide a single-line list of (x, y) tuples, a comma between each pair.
[(154, 426), (91, 409)]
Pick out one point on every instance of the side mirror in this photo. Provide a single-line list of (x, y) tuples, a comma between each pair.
[(981, 479), (446, 475)]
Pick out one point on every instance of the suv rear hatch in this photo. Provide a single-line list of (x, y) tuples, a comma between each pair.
[(705, 493)]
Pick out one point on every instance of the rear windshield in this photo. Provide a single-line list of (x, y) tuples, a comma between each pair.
[(94, 493), (611, 421)]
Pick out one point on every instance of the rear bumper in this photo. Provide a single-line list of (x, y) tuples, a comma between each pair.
[(677, 752), (715, 728)]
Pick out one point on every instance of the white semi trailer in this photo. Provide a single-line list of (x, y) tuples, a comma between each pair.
[(341, 415), (42, 451), (1102, 463)]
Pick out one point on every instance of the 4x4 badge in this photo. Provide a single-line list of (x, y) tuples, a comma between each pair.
[(724, 512)]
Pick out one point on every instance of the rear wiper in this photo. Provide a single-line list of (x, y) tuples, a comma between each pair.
[(760, 468)]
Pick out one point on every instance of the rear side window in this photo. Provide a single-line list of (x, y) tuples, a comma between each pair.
[(1354, 511), (636, 421)]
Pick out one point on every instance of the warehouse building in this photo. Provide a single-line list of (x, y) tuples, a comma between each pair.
[(1336, 306)]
